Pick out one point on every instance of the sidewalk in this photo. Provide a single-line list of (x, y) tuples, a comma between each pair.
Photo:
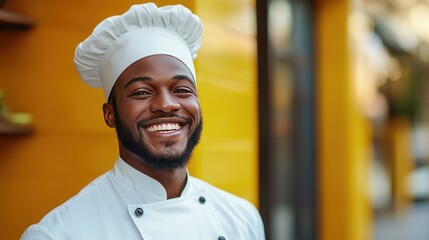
[(413, 225)]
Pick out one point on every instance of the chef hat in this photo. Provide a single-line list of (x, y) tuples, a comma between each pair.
[(144, 30)]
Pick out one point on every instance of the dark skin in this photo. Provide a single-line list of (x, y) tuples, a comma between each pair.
[(149, 88)]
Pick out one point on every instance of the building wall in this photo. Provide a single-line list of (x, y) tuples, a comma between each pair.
[(227, 82), (343, 135)]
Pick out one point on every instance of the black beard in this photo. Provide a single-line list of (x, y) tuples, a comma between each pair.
[(139, 148)]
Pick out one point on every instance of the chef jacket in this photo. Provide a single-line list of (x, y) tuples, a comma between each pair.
[(127, 204)]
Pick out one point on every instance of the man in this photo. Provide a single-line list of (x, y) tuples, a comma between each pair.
[(143, 60)]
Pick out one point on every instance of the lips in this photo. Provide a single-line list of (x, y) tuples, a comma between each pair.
[(164, 124), (163, 128)]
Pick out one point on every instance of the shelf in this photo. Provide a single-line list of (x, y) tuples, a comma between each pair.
[(10, 19), (10, 129)]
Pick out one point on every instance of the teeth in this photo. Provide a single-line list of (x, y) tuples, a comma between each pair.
[(164, 127)]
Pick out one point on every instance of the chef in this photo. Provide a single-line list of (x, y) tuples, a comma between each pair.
[(143, 60)]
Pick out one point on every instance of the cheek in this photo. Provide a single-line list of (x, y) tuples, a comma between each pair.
[(193, 107), (131, 112)]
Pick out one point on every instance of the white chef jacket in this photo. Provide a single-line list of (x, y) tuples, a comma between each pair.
[(126, 204)]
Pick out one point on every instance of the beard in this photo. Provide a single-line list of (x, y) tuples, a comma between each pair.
[(170, 160)]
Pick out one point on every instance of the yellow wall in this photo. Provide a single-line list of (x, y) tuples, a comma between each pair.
[(71, 144), (343, 132), (227, 83)]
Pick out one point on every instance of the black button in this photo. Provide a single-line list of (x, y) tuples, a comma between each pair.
[(138, 212), (202, 200), (221, 238)]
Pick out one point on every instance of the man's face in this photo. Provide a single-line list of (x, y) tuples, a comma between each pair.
[(156, 112)]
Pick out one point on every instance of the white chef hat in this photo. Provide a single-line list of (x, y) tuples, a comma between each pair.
[(144, 30)]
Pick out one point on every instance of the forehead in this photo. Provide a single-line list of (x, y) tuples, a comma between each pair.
[(154, 67)]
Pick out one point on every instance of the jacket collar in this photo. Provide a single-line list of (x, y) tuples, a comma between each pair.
[(146, 187)]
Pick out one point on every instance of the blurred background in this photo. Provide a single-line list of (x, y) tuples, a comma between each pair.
[(316, 111)]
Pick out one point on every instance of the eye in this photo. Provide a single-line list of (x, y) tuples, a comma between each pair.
[(140, 92), (184, 91), (181, 90)]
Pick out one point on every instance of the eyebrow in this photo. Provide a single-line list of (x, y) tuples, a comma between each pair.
[(183, 77), (142, 79), (137, 79)]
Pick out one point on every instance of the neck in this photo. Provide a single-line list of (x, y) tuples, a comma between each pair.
[(173, 180)]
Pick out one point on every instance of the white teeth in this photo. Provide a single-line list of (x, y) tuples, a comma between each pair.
[(164, 127)]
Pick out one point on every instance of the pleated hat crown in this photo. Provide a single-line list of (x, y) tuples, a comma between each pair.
[(144, 30)]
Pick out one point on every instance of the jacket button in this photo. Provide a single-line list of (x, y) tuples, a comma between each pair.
[(202, 200), (221, 238), (138, 212)]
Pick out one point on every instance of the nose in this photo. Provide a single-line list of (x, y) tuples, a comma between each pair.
[(164, 101)]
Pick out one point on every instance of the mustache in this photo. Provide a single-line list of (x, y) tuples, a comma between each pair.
[(163, 115)]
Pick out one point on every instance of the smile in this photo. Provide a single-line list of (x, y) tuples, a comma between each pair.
[(163, 128)]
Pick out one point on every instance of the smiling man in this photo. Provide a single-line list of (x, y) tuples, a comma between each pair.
[(143, 60)]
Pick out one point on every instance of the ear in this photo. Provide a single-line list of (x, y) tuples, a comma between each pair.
[(109, 116)]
